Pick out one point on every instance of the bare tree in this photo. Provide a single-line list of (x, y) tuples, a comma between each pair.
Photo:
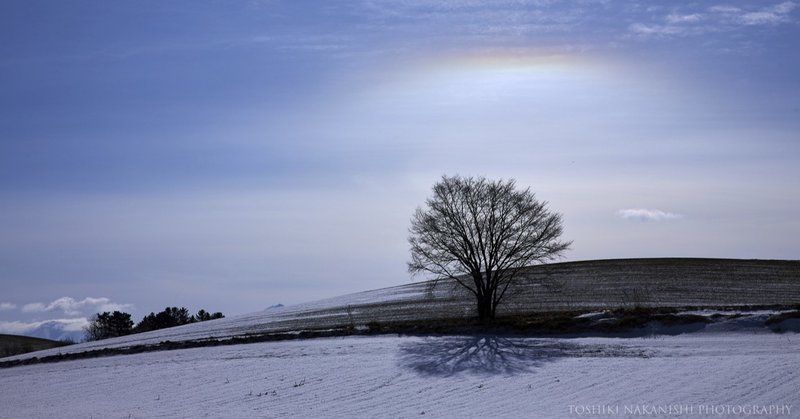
[(479, 233)]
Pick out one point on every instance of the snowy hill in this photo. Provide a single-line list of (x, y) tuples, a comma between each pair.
[(588, 285), (731, 367), (14, 344)]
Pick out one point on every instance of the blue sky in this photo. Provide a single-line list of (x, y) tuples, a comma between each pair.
[(231, 156)]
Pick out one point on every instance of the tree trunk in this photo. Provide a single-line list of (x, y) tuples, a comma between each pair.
[(485, 308)]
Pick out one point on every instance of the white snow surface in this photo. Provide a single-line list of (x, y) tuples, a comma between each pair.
[(440, 377), (316, 315), (588, 285), (734, 364)]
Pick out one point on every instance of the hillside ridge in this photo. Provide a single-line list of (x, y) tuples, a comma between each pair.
[(18, 344), (578, 286)]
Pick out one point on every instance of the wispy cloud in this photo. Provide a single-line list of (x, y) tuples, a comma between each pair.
[(72, 307), (768, 15), (644, 214), (715, 19), (773, 15), (679, 18), (33, 308), (7, 306), (476, 20), (646, 30), (724, 9)]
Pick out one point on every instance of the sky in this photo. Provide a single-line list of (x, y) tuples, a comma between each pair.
[(235, 155)]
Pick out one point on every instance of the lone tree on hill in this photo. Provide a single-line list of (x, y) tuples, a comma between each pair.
[(479, 233)]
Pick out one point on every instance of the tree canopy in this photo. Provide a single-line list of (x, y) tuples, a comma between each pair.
[(479, 232), (108, 325)]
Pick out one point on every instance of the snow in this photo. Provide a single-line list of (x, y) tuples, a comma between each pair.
[(734, 312), (444, 376), (594, 315), (706, 370), (317, 315), (590, 286)]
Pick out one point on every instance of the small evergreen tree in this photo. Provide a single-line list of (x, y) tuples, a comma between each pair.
[(203, 316)]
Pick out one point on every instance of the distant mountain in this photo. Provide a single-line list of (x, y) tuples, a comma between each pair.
[(272, 307), (55, 330)]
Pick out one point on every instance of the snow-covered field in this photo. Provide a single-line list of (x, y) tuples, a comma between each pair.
[(733, 366), (588, 285), (705, 374)]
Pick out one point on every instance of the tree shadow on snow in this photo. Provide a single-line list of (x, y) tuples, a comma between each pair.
[(491, 355)]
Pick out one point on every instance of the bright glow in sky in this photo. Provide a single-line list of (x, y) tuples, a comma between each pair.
[(231, 157)]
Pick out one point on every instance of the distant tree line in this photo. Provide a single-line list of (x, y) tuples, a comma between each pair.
[(109, 325)]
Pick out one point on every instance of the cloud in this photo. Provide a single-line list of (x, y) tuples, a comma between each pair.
[(715, 19), (72, 307), (70, 317), (643, 214), (678, 18), (770, 15), (642, 29), (33, 308), (7, 306), (724, 9), (784, 8)]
